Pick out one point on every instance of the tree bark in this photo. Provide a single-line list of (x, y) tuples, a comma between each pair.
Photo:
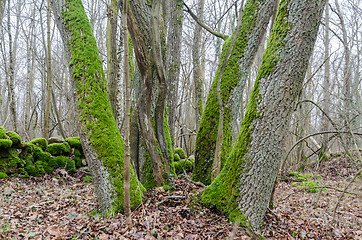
[(144, 26), (255, 19), (102, 142), (127, 155), (326, 81), (197, 68), (244, 186), (112, 61), (174, 40), (49, 77)]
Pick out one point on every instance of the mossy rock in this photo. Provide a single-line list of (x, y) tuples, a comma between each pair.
[(10, 161), (15, 138), (180, 152), (40, 155), (40, 142), (3, 175), (3, 133), (176, 157), (58, 162), (71, 167), (78, 157), (184, 164), (5, 143), (74, 142), (32, 170), (57, 149)]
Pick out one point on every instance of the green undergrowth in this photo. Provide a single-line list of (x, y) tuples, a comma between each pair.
[(307, 181)]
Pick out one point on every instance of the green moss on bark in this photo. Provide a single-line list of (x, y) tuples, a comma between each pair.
[(223, 192), (95, 115), (208, 128)]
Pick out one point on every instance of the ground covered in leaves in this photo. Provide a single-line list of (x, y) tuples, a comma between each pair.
[(60, 206)]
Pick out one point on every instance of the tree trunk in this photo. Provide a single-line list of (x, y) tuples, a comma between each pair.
[(326, 82), (49, 77), (101, 140), (174, 40), (244, 186), (127, 155), (255, 19), (197, 67), (12, 60), (2, 9), (112, 62), (144, 26), (347, 98)]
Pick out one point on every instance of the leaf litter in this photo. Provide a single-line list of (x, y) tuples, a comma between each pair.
[(60, 206)]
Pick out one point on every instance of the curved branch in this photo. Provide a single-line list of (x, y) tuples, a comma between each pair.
[(207, 28), (314, 134)]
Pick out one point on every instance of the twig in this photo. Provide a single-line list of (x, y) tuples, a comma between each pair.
[(276, 215), (170, 197), (341, 196)]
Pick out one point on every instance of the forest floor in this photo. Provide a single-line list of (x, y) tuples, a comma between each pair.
[(64, 207)]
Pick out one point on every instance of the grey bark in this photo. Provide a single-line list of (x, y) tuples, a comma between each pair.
[(279, 92), (197, 67), (174, 40), (326, 81)]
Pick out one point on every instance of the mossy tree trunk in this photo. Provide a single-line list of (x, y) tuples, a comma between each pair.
[(254, 20), (145, 28), (244, 186), (101, 140)]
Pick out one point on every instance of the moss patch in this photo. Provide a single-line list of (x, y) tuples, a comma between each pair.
[(3, 133), (74, 142), (57, 149), (40, 142), (15, 138), (3, 175), (180, 152), (5, 143), (182, 165)]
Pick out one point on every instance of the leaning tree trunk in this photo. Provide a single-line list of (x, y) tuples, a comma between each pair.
[(101, 140), (244, 186), (254, 21)]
